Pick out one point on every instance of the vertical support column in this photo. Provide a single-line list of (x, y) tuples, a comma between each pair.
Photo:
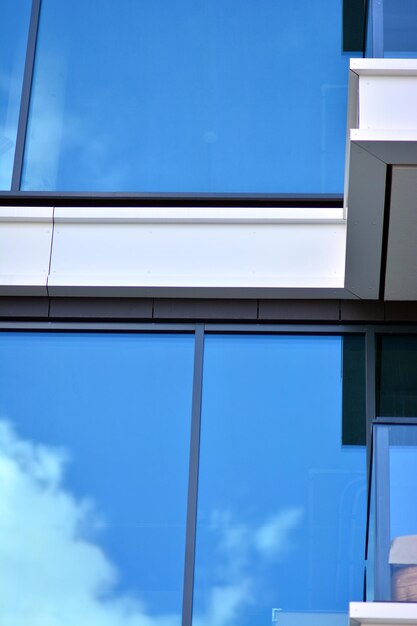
[(370, 356), (382, 513), (190, 543), (377, 28), (25, 98)]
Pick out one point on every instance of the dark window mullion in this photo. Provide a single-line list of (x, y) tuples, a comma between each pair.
[(190, 542), (25, 98)]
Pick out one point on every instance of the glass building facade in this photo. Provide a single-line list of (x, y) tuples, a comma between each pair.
[(193, 473), (96, 476)]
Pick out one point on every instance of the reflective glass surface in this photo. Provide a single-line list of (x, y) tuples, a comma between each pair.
[(94, 448), (282, 504), (393, 521), (400, 28), (190, 96), (14, 24), (396, 376)]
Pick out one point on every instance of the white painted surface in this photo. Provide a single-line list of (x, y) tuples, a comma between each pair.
[(138, 250), (195, 215), (385, 67), (311, 619), (388, 102), (382, 613), (25, 246)]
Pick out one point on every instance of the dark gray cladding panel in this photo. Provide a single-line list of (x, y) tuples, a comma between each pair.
[(22, 307), (205, 309), (361, 311), (365, 221), (101, 308), (401, 272), (299, 310)]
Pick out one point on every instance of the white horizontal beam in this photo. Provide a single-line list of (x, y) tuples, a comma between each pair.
[(194, 251), (197, 215), (384, 67), (25, 249), (382, 613)]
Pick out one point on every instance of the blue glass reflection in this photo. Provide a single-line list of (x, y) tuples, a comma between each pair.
[(392, 543), (281, 518), (94, 447), (190, 96), (400, 28), (14, 23)]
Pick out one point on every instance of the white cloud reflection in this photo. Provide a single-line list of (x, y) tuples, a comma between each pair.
[(273, 539), (53, 572)]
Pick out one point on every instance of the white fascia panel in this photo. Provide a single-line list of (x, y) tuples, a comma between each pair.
[(25, 247), (382, 613), (196, 251)]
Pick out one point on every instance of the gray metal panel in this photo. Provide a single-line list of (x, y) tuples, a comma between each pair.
[(382, 513), (205, 309), (362, 311), (401, 272), (101, 308), (24, 307), (366, 199), (302, 310)]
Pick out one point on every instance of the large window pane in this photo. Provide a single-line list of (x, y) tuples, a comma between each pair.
[(14, 23), (188, 96), (94, 447), (281, 515)]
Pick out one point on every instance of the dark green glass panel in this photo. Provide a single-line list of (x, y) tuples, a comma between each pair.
[(353, 25), (396, 376)]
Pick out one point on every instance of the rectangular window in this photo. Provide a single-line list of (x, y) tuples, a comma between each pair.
[(94, 449), (282, 503), (190, 96)]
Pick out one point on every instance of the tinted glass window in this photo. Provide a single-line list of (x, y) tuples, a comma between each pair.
[(94, 447), (397, 376), (190, 96), (281, 513), (400, 28), (14, 23)]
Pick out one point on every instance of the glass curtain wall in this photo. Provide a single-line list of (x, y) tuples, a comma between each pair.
[(94, 467), (191, 96), (14, 24), (281, 509)]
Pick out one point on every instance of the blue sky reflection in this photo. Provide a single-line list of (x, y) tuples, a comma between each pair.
[(94, 448), (188, 97), (14, 24), (281, 520)]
